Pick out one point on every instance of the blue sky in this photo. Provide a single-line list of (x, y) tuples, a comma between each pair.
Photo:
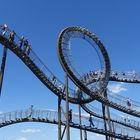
[(116, 23)]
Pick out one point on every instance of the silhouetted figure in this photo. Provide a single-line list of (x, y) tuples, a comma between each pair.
[(101, 75), (134, 75), (21, 42), (90, 121), (31, 111), (28, 49), (84, 78), (4, 29), (70, 115), (54, 79), (129, 103), (114, 73), (125, 119), (123, 74), (12, 36), (25, 44)]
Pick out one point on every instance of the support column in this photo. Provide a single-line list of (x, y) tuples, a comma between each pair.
[(59, 118), (108, 116), (3, 67), (85, 135), (104, 117), (113, 129), (109, 121), (81, 137), (67, 109)]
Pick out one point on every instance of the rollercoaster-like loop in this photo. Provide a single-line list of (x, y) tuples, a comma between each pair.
[(34, 63), (65, 55), (84, 81), (51, 116), (91, 85)]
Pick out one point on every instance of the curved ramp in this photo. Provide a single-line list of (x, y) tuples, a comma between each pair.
[(51, 116), (35, 64)]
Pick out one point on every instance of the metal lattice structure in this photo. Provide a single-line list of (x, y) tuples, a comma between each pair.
[(91, 86), (51, 116)]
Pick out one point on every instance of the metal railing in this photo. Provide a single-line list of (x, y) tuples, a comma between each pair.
[(52, 115), (57, 83)]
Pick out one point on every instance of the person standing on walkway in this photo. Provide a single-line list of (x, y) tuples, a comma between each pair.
[(70, 115), (4, 29), (91, 121), (12, 36), (25, 45), (31, 111), (21, 42)]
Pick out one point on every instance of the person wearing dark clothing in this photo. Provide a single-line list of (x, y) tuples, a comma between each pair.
[(25, 44), (21, 42), (54, 79), (129, 103), (28, 49), (31, 111), (90, 121), (70, 115), (12, 36)]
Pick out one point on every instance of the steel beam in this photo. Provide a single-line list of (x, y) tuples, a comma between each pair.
[(80, 122), (104, 118), (3, 67), (59, 118), (85, 135), (108, 116), (67, 109)]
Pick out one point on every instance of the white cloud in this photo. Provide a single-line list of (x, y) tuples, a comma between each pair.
[(1, 112), (30, 130), (117, 88), (22, 138)]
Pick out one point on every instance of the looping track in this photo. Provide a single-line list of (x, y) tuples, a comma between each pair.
[(64, 57), (113, 100), (33, 62)]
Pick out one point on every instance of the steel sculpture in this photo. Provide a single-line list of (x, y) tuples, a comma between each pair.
[(92, 86)]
